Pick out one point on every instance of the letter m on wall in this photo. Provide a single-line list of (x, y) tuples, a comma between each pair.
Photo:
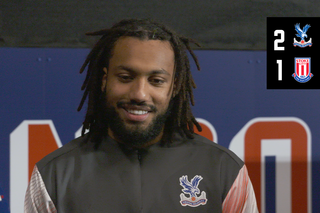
[(29, 143)]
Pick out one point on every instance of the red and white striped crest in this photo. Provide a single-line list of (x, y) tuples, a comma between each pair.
[(302, 67)]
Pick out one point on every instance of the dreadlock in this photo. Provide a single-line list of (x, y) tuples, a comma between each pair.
[(100, 55)]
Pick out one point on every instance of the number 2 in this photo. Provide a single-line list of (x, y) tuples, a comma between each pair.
[(280, 40)]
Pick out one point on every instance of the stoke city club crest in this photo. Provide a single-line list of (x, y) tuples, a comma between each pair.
[(302, 72)]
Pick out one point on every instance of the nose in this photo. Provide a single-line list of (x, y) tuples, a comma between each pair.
[(139, 90)]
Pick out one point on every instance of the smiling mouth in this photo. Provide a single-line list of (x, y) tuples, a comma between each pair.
[(137, 112), (136, 108), (136, 115)]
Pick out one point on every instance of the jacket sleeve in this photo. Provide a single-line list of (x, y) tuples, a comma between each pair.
[(241, 197), (37, 199)]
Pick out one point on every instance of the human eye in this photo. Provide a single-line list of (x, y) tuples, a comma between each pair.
[(125, 78), (157, 81)]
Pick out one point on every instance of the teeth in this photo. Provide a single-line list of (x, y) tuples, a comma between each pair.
[(138, 112)]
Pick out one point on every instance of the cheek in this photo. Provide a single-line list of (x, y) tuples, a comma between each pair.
[(115, 91), (162, 100), (112, 96)]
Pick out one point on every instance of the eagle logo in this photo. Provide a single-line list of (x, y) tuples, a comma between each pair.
[(192, 189), (302, 34)]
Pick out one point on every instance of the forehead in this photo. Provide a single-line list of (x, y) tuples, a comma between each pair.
[(151, 54)]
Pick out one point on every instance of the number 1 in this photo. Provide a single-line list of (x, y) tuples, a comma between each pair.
[(279, 62)]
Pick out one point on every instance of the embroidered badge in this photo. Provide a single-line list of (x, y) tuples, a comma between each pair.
[(192, 189)]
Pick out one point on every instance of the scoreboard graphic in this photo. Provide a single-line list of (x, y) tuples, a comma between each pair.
[(292, 60)]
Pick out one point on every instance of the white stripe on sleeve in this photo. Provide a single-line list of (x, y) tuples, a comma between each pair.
[(37, 199)]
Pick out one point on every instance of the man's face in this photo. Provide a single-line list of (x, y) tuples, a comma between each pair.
[(138, 87)]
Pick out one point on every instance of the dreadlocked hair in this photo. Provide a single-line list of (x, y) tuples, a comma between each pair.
[(181, 115)]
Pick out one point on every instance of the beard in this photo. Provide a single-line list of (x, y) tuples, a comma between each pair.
[(134, 134)]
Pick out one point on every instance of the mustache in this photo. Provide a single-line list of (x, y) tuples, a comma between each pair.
[(123, 104)]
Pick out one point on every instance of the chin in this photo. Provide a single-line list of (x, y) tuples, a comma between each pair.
[(136, 126)]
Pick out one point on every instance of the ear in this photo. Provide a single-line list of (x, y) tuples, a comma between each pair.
[(104, 79)]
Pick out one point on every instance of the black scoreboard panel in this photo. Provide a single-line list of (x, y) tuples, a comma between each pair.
[(293, 59)]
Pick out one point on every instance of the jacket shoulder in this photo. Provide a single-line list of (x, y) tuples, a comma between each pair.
[(217, 148), (60, 152)]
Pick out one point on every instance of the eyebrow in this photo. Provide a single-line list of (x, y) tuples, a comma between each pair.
[(154, 72)]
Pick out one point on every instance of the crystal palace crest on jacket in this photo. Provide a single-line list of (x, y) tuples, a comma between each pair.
[(302, 34), (191, 189)]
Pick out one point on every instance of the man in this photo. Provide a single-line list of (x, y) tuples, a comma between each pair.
[(141, 154)]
